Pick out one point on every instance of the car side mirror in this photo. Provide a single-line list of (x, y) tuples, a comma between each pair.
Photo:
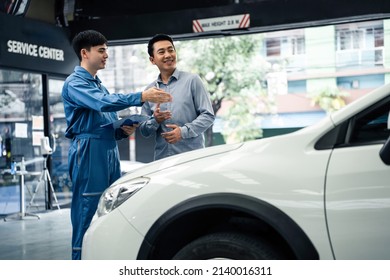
[(384, 153)]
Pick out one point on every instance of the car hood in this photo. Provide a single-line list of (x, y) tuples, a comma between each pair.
[(179, 159), (304, 135)]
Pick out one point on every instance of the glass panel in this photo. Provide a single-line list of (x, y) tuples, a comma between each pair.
[(273, 47), (21, 128), (371, 126), (379, 40), (334, 65)]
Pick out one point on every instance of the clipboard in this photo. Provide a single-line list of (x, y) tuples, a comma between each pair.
[(129, 120)]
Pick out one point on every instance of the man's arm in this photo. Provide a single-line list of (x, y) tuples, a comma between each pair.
[(150, 126), (156, 95), (204, 109)]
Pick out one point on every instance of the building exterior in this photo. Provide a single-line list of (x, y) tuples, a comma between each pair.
[(350, 57)]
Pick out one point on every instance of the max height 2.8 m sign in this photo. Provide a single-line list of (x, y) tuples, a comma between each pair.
[(221, 23)]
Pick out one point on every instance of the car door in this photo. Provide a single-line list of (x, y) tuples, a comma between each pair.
[(357, 190)]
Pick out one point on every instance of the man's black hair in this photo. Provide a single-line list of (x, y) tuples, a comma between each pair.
[(156, 38), (87, 39)]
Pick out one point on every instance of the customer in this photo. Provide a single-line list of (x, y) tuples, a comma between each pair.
[(93, 154), (177, 126)]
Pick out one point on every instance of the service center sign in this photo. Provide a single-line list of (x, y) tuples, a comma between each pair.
[(36, 46), (221, 23), (25, 48)]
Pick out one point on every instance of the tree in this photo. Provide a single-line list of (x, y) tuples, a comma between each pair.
[(234, 74), (330, 99)]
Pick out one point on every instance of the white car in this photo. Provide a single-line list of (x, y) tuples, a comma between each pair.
[(129, 165), (322, 192)]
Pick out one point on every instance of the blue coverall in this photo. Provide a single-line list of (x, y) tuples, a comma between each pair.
[(93, 157)]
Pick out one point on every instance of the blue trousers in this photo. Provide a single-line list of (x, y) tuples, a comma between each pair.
[(93, 166)]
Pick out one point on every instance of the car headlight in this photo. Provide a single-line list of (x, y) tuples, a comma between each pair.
[(117, 194)]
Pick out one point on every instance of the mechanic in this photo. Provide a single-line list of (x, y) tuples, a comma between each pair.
[(93, 156)]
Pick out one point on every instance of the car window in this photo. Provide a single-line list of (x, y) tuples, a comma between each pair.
[(370, 126)]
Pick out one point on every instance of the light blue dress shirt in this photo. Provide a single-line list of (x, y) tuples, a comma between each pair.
[(191, 110)]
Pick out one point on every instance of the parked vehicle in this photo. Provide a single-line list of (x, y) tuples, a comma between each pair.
[(322, 192)]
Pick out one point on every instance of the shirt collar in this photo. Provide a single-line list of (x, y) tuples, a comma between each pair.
[(85, 74), (175, 75)]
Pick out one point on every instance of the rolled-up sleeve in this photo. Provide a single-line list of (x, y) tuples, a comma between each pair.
[(150, 126)]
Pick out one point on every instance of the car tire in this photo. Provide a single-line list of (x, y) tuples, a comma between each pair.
[(227, 245)]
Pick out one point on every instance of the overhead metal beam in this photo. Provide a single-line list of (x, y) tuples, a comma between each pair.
[(266, 15)]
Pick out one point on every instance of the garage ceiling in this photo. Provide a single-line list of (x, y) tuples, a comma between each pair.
[(117, 8), (134, 20), (126, 21)]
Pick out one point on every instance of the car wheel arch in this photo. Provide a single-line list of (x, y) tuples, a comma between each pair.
[(191, 218)]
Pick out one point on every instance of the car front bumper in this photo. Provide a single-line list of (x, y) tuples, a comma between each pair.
[(111, 237)]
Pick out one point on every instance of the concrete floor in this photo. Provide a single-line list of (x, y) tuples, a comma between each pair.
[(30, 238)]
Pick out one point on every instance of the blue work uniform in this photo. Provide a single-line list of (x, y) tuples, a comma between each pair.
[(93, 156)]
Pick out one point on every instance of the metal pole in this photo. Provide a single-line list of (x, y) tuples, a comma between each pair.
[(21, 182), (46, 120)]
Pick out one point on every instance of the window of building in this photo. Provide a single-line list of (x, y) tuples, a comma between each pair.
[(359, 44), (273, 47), (285, 46)]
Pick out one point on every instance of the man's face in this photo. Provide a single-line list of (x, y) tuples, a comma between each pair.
[(164, 56), (96, 57)]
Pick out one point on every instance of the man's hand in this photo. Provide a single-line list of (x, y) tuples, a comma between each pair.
[(172, 136), (156, 95), (128, 130), (161, 116)]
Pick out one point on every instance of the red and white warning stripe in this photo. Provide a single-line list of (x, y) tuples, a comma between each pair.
[(245, 21), (221, 23), (196, 26)]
